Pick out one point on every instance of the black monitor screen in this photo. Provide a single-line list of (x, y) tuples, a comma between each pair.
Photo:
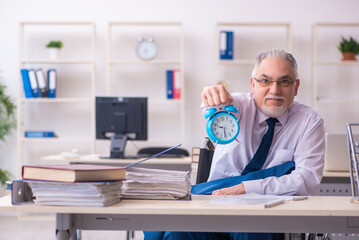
[(121, 119)]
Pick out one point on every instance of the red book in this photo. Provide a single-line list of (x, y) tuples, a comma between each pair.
[(176, 84), (73, 173)]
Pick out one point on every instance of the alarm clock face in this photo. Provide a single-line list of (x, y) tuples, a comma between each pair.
[(146, 49), (224, 127)]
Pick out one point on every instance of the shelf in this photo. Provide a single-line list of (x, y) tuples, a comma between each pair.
[(56, 139), (243, 34), (236, 62), (146, 23), (337, 101), (343, 63), (177, 62), (170, 35), (58, 61), (319, 62), (336, 24), (33, 36), (55, 100), (56, 23), (259, 24), (164, 101)]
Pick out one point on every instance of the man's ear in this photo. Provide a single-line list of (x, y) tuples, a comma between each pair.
[(297, 83), (252, 84)]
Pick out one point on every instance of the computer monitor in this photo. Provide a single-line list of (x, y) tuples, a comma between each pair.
[(121, 119)]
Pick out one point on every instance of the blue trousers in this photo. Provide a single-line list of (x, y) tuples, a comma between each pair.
[(207, 188), (211, 236)]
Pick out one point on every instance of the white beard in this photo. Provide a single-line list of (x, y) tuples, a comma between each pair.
[(274, 112)]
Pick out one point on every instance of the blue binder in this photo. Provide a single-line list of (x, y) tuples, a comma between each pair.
[(169, 78), (40, 134), (26, 83), (34, 85), (229, 52), (41, 82), (226, 45), (51, 82)]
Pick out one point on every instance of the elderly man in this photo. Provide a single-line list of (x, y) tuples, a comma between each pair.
[(276, 132)]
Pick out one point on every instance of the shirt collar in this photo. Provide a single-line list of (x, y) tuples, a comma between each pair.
[(261, 117)]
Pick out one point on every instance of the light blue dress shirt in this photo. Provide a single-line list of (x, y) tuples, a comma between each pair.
[(298, 136)]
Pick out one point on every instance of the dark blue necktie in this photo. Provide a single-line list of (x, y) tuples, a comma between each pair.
[(260, 156)]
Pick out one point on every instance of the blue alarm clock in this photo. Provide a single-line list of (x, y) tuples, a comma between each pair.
[(222, 126)]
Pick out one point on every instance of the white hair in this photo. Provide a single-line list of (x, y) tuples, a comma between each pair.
[(276, 53)]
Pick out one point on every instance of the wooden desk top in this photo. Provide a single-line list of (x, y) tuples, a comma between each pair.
[(201, 206), (336, 174)]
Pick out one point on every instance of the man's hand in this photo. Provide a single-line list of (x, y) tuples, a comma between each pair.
[(235, 190), (216, 95)]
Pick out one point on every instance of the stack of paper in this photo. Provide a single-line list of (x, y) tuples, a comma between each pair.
[(143, 183), (98, 194)]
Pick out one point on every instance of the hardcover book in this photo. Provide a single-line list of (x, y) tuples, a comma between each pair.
[(73, 173)]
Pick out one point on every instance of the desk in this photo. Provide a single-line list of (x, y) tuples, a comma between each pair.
[(180, 164), (334, 214)]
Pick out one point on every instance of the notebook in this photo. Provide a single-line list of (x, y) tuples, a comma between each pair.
[(336, 157)]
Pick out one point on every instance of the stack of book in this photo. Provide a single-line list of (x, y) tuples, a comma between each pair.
[(98, 185), (96, 194), (143, 183), (75, 185)]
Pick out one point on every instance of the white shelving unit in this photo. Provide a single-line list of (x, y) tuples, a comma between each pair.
[(76, 71), (334, 87), (249, 40), (127, 75)]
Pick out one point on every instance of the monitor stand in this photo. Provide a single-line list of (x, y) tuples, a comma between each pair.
[(118, 144)]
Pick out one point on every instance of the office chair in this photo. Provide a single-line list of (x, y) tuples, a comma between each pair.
[(204, 167), (205, 160)]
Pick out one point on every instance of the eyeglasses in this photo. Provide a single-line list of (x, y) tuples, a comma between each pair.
[(267, 83)]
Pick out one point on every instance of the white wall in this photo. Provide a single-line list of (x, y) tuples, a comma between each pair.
[(199, 18)]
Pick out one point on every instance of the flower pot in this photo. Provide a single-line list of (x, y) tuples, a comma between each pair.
[(54, 53), (348, 56)]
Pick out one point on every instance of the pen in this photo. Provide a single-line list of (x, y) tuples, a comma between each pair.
[(274, 203), (298, 198)]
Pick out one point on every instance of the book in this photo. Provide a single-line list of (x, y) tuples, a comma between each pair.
[(52, 82), (226, 45), (169, 82), (176, 84), (26, 83), (144, 183), (73, 173), (34, 85), (40, 75), (40, 134)]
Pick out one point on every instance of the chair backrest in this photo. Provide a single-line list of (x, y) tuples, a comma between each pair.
[(205, 160)]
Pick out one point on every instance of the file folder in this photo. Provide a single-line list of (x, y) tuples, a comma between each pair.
[(52, 82), (26, 83), (169, 79), (34, 85), (40, 75)]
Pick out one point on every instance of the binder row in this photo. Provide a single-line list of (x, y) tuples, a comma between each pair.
[(173, 79), (35, 84), (226, 45)]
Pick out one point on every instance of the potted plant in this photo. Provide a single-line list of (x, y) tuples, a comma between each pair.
[(7, 123), (349, 48), (54, 49)]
